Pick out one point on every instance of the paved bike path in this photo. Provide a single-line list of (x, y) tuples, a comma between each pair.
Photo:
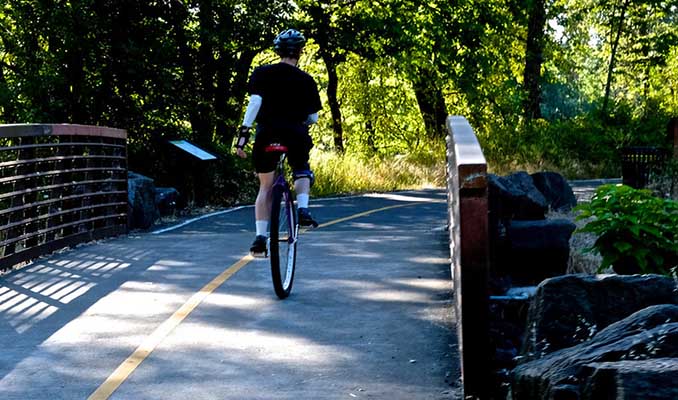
[(370, 315)]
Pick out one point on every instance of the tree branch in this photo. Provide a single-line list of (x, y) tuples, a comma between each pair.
[(9, 67)]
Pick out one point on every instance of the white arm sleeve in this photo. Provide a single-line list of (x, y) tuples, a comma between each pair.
[(312, 119), (252, 110)]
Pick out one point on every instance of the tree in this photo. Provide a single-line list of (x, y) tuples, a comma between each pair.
[(534, 56), (632, 36)]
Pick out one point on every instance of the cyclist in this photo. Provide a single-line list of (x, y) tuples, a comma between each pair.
[(284, 101)]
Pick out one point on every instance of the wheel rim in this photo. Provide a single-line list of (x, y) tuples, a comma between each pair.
[(283, 242), (287, 243)]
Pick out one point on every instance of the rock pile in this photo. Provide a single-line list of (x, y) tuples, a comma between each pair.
[(601, 337)]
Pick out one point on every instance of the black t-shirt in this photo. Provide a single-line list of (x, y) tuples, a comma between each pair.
[(289, 94)]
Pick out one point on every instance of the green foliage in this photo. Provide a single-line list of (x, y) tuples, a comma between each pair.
[(179, 70), (636, 230), (384, 119)]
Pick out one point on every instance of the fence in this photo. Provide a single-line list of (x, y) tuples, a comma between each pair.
[(468, 213), (59, 185), (640, 163)]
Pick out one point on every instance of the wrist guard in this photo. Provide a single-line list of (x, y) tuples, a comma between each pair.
[(243, 137)]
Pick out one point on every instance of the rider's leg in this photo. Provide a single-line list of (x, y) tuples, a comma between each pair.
[(262, 206), (302, 188), (298, 157), (262, 213)]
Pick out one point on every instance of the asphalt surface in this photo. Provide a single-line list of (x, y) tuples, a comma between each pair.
[(370, 315)]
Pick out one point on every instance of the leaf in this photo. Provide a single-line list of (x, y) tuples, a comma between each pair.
[(623, 247)]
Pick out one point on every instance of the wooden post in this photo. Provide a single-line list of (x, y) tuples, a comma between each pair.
[(468, 219)]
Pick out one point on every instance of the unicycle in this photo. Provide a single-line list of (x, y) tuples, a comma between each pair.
[(284, 229)]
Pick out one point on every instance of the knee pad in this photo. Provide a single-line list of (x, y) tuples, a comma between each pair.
[(307, 173)]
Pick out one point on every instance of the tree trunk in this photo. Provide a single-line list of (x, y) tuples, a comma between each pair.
[(74, 74), (8, 115), (332, 84), (230, 93), (120, 78), (534, 57), (366, 110), (177, 15), (202, 118), (613, 55), (431, 103)]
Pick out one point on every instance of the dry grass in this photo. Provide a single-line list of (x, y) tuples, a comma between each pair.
[(580, 260), (351, 173)]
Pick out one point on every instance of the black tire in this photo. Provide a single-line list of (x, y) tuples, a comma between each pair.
[(283, 242)]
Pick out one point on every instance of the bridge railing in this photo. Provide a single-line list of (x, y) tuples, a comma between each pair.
[(59, 185), (468, 214)]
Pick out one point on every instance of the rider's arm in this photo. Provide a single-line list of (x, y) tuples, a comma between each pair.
[(252, 110), (250, 115)]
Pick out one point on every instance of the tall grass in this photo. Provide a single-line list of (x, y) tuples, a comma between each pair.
[(354, 173)]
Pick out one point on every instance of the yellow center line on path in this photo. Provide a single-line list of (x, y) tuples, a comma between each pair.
[(128, 366), (363, 214), (132, 362)]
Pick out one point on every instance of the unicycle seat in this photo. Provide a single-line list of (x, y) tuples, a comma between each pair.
[(275, 148)]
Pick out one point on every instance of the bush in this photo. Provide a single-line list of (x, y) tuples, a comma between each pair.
[(636, 230), (581, 147)]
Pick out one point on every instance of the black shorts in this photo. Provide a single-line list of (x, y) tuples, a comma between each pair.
[(295, 138)]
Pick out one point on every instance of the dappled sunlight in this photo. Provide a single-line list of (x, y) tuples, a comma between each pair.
[(429, 260), (44, 296), (364, 225), (415, 290), (233, 301), (409, 199), (267, 347), (342, 250), (354, 284), (422, 283), (106, 324), (168, 263), (40, 290), (358, 254), (394, 296)]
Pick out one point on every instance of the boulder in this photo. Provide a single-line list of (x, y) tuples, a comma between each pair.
[(651, 379), (568, 310), (536, 250), (557, 192), (516, 197), (501, 196), (166, 200), (542, 234), (648, 337), (533, 204), (142, 211)]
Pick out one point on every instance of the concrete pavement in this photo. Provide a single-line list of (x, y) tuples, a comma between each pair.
[(370, 315)]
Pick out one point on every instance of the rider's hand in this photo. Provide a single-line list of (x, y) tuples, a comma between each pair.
[(243, 137)]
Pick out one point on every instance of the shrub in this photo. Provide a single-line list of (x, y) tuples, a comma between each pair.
[(637, 232)]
